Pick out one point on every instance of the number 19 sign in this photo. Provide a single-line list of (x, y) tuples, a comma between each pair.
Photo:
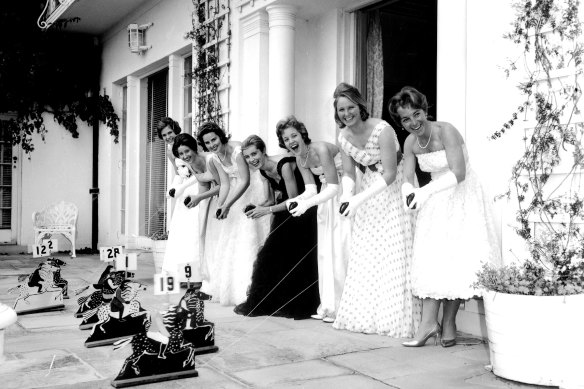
[(166, 283)]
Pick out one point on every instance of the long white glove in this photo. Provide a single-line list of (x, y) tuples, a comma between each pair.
[(421, 195), (348, 186), (309, 191), (179, 189), (355, 202), (406, 190), (327, 193)]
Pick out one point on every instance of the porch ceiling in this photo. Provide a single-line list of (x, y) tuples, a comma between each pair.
[(97, 16)]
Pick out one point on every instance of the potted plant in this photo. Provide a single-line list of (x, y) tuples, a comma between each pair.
[(159, 240), (535, 308)]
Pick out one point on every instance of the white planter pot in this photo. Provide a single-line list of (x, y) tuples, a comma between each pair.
[(158, 250), (536, 339)]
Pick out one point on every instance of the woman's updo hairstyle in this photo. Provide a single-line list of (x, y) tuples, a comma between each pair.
[(211, 127), (167, 122), (408, 96), (254, 140), (183, 140), (353, 94), (291, 121)]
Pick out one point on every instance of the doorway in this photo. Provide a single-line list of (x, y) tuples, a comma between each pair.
[(409, 41)]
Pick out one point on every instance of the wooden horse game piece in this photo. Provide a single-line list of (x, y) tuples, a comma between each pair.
[(198, 331), (156, 357), (42, 289), (104, 295), (96, 297), (121, 318)]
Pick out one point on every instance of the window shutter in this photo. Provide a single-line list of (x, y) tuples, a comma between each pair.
[(155, 169)]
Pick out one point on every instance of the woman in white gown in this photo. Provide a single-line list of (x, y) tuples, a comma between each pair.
[(455, 232), (378, 295), (195, 189), (237, 238), (322, 159)]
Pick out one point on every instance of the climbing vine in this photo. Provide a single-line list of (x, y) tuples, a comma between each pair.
[(548, 34), (206, 75)]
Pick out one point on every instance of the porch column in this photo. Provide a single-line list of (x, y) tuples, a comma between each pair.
[(254, 91), (137, 93), (175, 73), (282, 21)]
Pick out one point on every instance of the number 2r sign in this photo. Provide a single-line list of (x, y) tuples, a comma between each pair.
[(109, 254)]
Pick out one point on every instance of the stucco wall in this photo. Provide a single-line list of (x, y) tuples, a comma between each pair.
[(172, 19), (59, 169)]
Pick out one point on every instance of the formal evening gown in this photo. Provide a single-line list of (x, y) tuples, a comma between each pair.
[(334, 240), (186, 238), (236, 241), (285, 274), (455, 234), (378, 295)]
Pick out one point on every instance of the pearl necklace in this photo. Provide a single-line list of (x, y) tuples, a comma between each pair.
[(305, 159), (429, 138), (224, 154)]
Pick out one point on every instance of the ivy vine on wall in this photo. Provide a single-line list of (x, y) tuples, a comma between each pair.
[(50, 71), (206, 75)]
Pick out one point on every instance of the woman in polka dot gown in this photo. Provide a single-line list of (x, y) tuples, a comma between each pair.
[(377, 297)]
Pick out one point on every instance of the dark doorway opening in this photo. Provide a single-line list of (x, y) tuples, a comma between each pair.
[(409, 39)]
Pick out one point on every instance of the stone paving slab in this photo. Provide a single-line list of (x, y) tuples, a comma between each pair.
[(268, 352), (273, 376)]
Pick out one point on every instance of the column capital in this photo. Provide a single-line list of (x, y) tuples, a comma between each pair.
[(282, 16), (256, 23)]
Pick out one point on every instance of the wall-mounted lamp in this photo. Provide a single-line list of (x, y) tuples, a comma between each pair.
[(137, 37)]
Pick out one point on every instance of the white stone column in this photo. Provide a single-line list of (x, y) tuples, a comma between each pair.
[(136, 110), (254, 78), (175, 111), (282, 21)]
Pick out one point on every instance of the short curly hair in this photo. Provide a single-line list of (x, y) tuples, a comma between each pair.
[(353, 94), (211, 127), (291, 121), (408, 96), (184, 140), (167, 122)]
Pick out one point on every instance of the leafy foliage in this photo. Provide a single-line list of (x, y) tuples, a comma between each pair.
[(206, 72), (549, 34), (40, 72)]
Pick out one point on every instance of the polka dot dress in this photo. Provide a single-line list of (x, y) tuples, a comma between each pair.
[(377, 297)]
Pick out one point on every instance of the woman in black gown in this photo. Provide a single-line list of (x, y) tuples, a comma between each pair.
[(285, 275)]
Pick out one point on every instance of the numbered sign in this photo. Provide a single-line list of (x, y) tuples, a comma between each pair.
[(166, 283), (186, 269), (40, 250), (109, 254), (52, 244), (127, 262)]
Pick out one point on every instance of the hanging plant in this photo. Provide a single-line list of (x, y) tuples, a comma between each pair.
[(549, 34), (40, 73), (206, 75)]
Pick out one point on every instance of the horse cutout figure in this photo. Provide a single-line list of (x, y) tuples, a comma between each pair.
[(106, 291), (113, 281), (96, 297), (156, 357), (41, 290), (198, 331), (121, 318)]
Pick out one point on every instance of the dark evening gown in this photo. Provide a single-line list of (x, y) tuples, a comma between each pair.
[(285, 275)]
